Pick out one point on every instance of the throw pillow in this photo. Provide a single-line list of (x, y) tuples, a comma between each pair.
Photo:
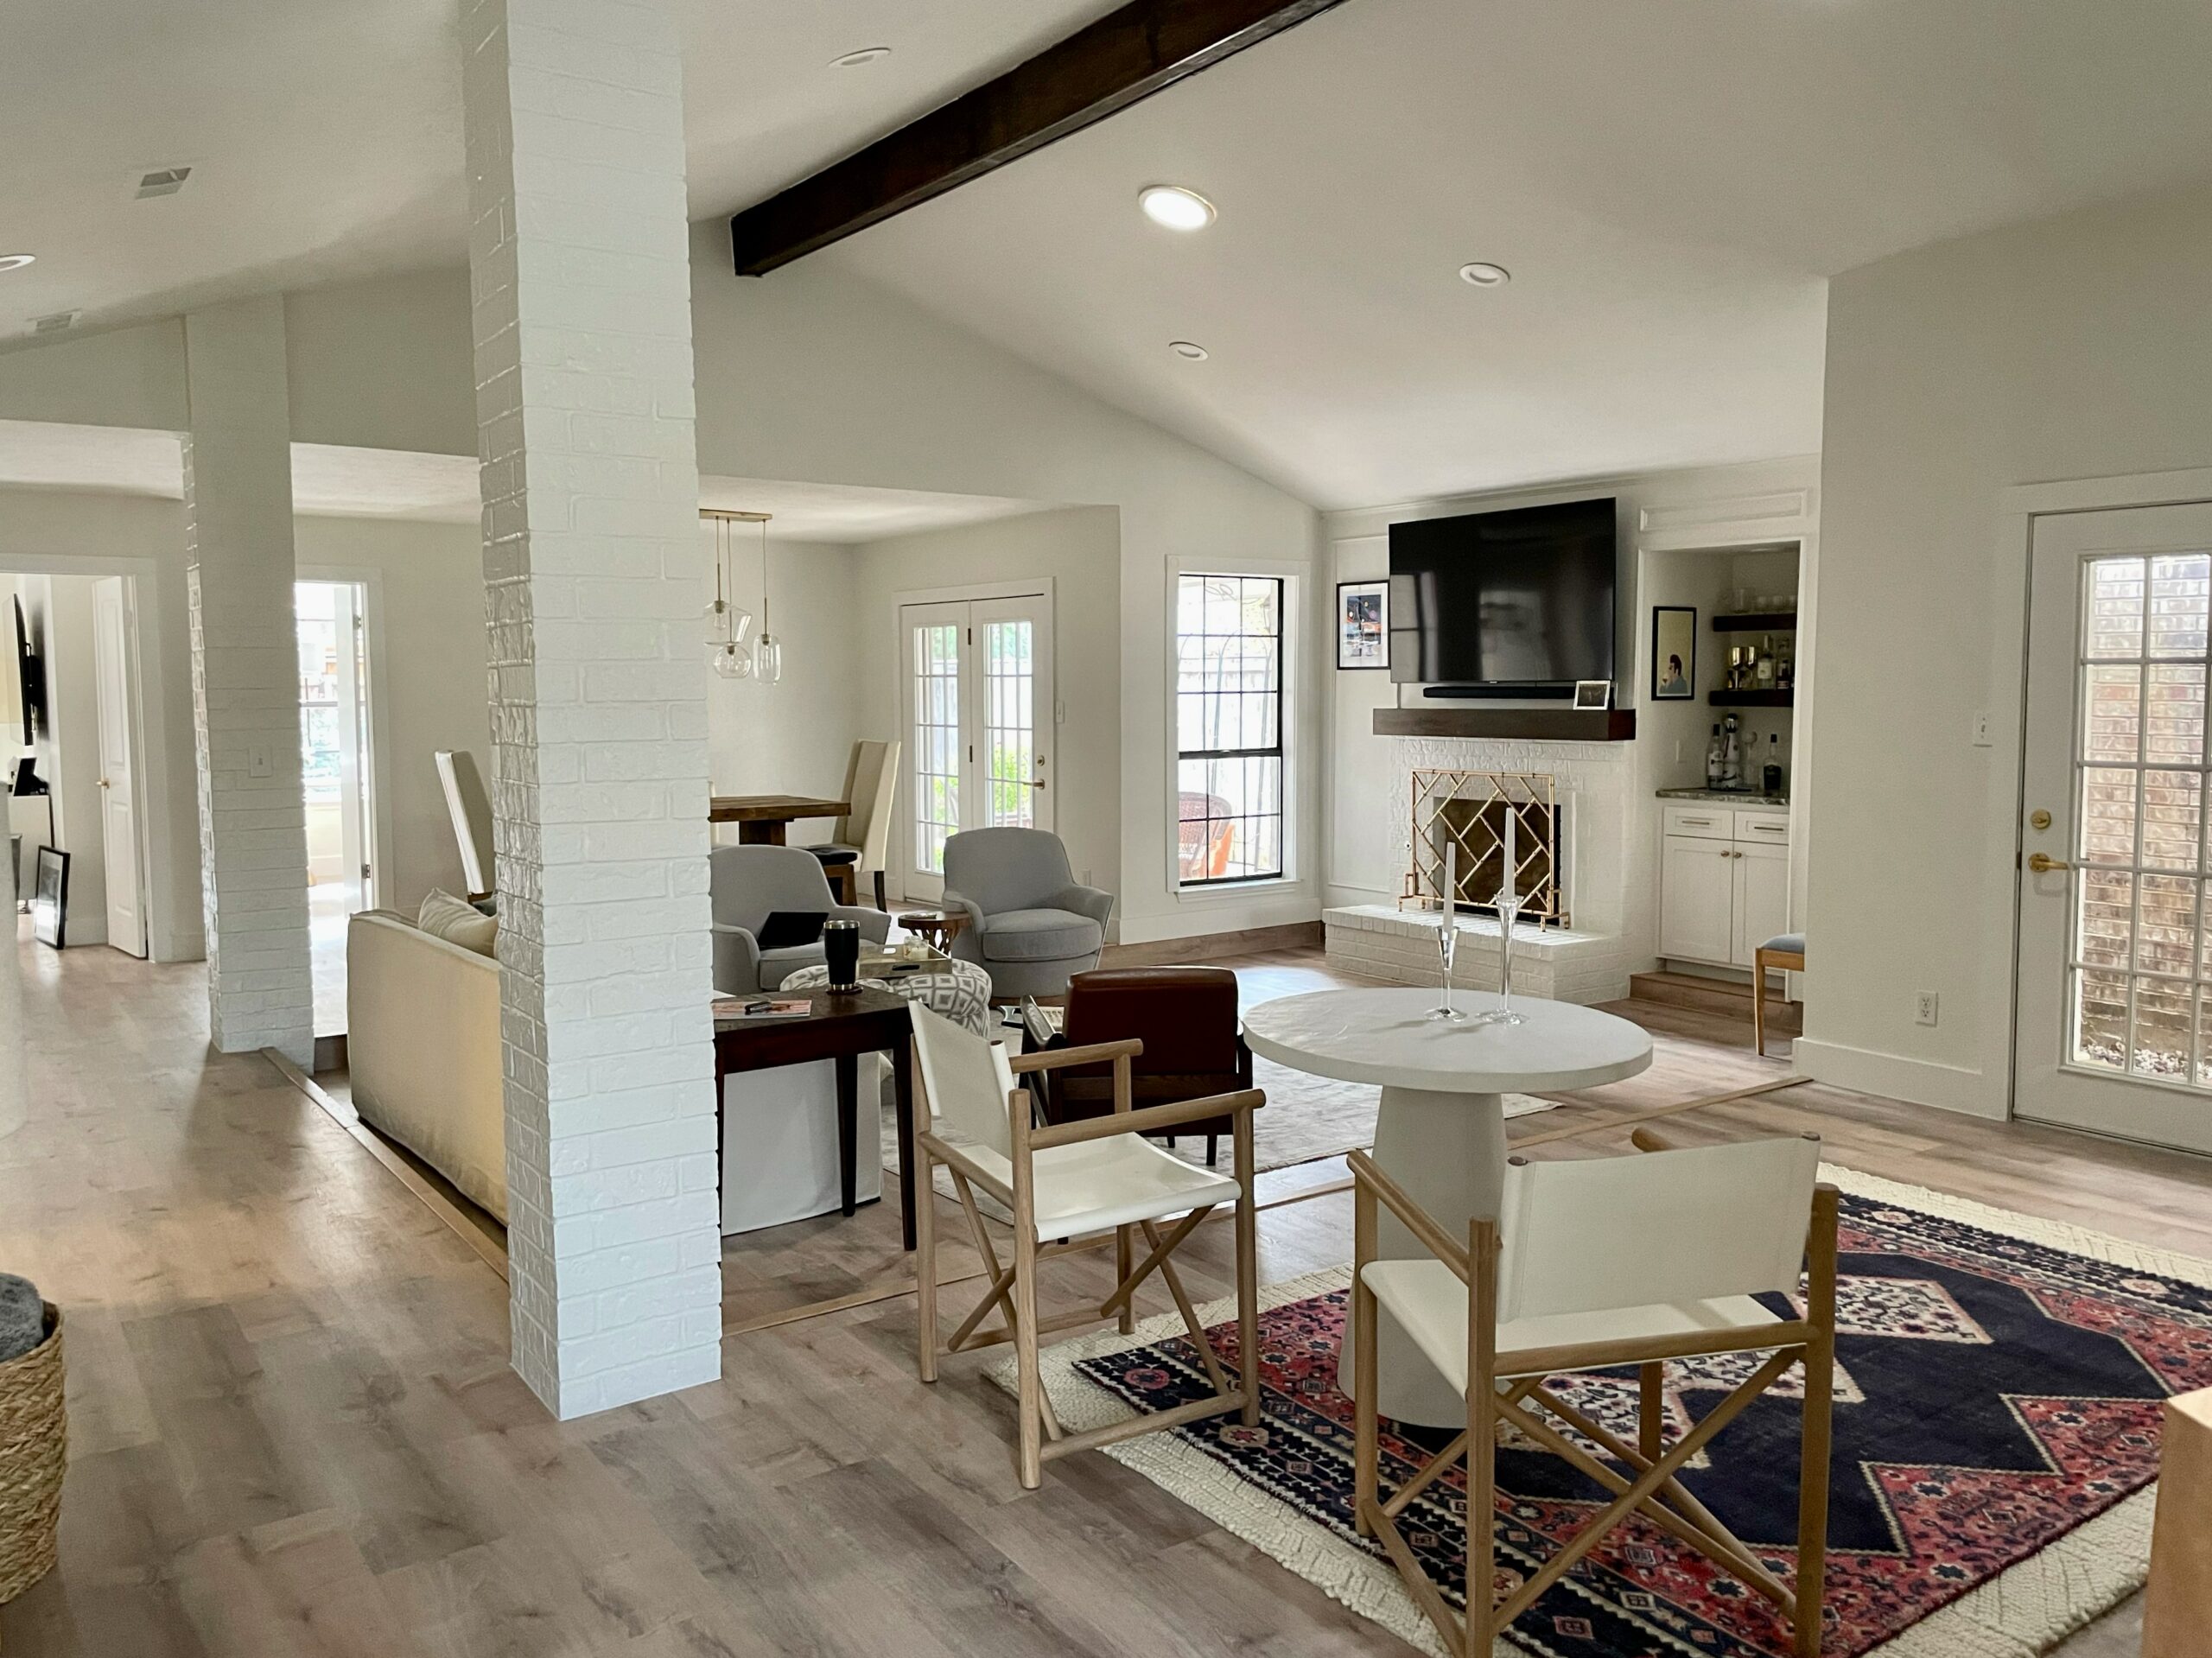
[(23, 1316), (457, 922)]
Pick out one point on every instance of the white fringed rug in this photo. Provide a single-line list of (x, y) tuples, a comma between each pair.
[(1996, 1443)]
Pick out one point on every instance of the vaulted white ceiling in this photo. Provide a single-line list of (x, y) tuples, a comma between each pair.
[(1670, 181)]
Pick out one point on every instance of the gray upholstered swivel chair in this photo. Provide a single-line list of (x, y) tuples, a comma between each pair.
[(1030, 926), (749, 885)]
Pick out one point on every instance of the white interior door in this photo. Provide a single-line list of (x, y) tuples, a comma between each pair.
[(115, 682), (979, 716), (2115, 965)]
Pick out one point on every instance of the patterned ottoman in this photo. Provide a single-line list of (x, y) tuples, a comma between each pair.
[(959, 990)]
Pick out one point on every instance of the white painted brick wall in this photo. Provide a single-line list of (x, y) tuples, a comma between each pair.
[(240, 570), (594, 565)]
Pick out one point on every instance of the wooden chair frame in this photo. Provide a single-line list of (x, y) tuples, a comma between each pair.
[(1012, 1287), (1764, 962), (1651, 1491)]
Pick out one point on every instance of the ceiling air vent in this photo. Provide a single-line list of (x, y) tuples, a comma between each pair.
[(162, 182), (53, 322)]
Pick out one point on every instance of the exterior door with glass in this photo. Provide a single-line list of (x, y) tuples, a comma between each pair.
[(2114, 1026), (979, 718)]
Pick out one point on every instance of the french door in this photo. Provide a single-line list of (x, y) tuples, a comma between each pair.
[(978, 714), (2115, 967), (337, 781)]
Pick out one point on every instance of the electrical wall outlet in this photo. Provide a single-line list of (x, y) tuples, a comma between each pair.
[(1924, 1009)]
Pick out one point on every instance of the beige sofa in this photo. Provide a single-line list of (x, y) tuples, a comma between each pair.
[(423, 1043)]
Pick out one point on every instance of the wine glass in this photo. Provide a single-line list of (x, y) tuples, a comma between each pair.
[(1448, 949)]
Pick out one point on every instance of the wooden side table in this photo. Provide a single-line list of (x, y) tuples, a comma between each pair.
[(841, 1027), (2177, 1605), (939, 930)]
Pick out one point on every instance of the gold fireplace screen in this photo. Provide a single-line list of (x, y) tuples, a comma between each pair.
[(1467, 810)]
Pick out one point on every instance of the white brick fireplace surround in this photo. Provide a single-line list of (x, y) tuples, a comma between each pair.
[(1606, 861), (593, 568)]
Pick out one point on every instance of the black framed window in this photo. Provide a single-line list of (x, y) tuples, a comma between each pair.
[(1229, 670)]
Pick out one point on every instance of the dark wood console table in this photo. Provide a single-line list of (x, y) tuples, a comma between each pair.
[(842, 1026)]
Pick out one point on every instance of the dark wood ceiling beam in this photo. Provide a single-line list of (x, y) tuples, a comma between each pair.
[(1128, 54)]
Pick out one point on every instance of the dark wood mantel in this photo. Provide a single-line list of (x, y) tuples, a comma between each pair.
[(1539, 725)]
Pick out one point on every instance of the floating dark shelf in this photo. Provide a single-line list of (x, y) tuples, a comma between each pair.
[(1757, 621), (1752, 699), (1542, 725)]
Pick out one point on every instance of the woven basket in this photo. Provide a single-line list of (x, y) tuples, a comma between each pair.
[(33, 1432)]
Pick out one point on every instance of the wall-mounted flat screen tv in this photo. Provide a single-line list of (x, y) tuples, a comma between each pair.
[(1505, 604)]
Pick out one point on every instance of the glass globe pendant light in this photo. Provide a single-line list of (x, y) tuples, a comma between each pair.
[(729, 623), (768, 655)]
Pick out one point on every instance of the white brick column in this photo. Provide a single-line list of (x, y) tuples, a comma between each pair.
[(595, 569), (245, 679)]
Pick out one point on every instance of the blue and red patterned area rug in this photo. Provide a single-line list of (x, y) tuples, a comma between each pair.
[(1997, 1414)]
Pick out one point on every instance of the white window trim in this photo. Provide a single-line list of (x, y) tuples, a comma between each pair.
[(1294, 576)]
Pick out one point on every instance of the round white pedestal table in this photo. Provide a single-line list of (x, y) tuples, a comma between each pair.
[(1441, 1132)]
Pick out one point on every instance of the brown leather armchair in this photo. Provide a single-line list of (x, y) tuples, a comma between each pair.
[(1186, 1019)]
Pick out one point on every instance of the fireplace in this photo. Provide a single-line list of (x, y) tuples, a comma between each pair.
[(1466, 812)]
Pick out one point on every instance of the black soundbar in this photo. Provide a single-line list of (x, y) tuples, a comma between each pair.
[(1498, 691)]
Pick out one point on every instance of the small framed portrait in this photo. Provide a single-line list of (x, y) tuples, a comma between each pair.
[(1593, 694), (1674, 653), (1363, 623), (50, 897)]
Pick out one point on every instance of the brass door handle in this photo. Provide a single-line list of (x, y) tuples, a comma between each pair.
[(2042, 864)]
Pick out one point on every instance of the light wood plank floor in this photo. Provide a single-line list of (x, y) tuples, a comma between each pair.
[(294, 1430)]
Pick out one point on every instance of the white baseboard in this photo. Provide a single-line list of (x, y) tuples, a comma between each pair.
[(1893, 1077)]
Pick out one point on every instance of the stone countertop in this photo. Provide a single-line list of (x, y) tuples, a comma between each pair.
[(1738, 797)]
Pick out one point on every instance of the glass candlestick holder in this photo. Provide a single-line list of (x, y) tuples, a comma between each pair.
[(1508, 911), (1447, 950)]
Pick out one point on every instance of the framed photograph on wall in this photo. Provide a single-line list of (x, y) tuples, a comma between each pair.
[(50, 897), (1363, 623), (1674, 653)]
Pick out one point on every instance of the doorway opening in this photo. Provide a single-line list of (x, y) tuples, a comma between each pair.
[(337, 779)]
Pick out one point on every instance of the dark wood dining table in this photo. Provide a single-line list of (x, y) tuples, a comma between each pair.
[(765, 820), (839, 1025)]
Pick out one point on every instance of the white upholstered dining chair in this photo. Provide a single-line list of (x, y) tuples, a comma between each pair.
[(1595, 1264), (1064, 1184), (862, 839)]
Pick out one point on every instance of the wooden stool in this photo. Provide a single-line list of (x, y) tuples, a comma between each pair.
[(1785, 952)]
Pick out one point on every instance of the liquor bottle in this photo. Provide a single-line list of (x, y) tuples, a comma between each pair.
[(1712, 760), (1785, 669), (1731, 755), (1773, 777), (1766, 663)]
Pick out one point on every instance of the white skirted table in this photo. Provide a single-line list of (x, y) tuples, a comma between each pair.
[(1441, 1132)]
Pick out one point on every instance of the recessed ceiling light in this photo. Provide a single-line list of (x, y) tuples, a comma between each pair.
[(1178, 209), (1190, 349), (865, 56), (16, 261), (1480, 274)]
